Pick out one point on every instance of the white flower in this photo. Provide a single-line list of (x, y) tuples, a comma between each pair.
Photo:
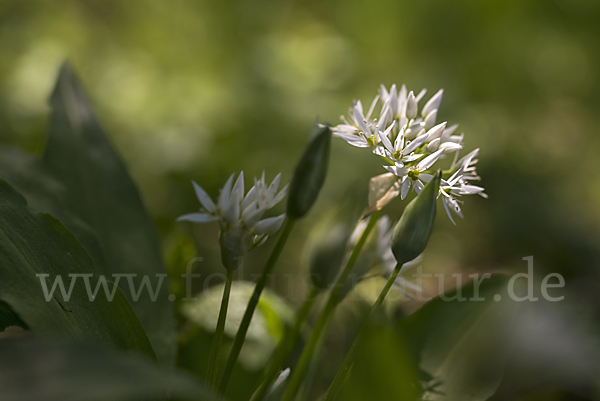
[(414, 176), (234, 210), (467, 164), (359, 130), (457, 185), (398, 152)]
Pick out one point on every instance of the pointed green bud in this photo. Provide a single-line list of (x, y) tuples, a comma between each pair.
[(309, 175), (327, 254), (235, 243), (412, 232)]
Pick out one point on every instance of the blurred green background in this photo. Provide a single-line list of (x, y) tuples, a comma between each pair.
[(199, 89)]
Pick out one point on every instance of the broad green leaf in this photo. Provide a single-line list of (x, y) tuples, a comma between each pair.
[(44, 193), (35, 369), (267, 326), (32, 244), (384, 369), (100, 191), (462, 345)]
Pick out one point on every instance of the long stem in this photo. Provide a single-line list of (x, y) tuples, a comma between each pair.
[(260, 285), (355, 348), (286, 346), (322, 323), (215, 352)]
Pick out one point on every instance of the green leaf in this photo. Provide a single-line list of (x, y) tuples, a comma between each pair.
[(267, 326), (36, 369), (100, 191), (34, 243), (384, 369), (44, 193), (462, 346)]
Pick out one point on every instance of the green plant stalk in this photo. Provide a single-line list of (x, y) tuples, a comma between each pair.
[(313, 368), (322, 323), (340, 377), (215, 352), (240, 337), (286, 346)]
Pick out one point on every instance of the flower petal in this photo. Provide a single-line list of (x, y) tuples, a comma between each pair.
[(238, 187), (405, 188), (204, 198), (197, 218), (436, 132), (226, 193), (269, 226), (429, 160), (411, 106), (250, 197), (425, 177), (414, 144), (418, 186), (433, 103)]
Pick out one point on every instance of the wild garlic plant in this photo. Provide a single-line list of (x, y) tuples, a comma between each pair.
[(412, 144), (241, 229)]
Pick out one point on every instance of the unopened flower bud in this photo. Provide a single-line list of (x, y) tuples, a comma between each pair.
[(433, 145), (450, 147), (430, 119), (411, 106), (436, 132), (412, 232), (327, 255), (309, 175)]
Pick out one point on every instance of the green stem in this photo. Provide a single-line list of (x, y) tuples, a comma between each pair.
[(286, 346), (322, 323), (215, 352), (260, 285), (355, 348), (313, 368)]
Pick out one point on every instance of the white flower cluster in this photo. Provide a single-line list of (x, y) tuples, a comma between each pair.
[(234, 210), (411, 143)]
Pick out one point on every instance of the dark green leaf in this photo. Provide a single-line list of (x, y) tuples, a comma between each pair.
[(100, 191), (462, 346), (44, 193), (384, 369), (32, 244), (35, 369)]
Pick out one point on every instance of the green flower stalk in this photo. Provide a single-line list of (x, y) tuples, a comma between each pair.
[(323, 322), (305, 186), (409, 240), (242, 229), (325, 260)]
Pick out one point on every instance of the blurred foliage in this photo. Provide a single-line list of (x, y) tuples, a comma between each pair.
[(199, 89)]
